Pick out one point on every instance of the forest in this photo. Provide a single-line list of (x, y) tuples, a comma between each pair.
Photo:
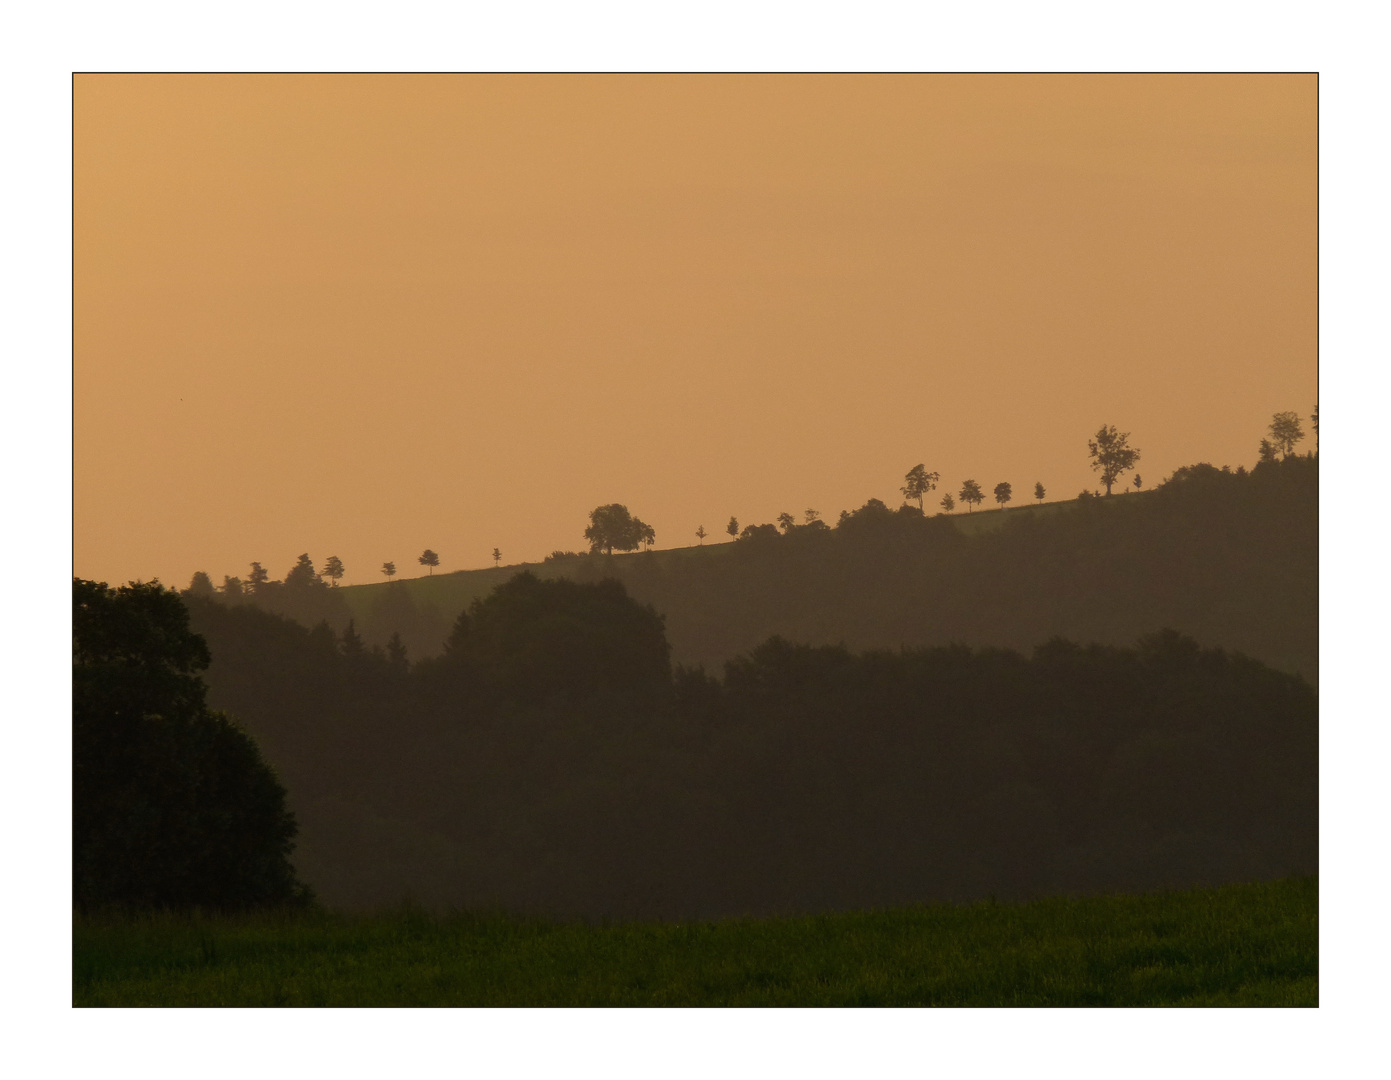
[(552, 760), (1229, 557)]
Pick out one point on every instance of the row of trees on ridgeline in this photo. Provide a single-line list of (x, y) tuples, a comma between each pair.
[(613, 527)]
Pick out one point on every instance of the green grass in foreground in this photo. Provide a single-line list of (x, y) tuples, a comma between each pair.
[(1238, 945)]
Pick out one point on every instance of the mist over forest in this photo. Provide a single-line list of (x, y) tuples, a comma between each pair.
[(810, 718), (1227, 557)]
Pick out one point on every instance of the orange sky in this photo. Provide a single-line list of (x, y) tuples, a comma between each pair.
[(363, 315)]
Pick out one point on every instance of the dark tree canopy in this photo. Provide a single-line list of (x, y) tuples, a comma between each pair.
[(173, 805), (1003, 493), (612, 526), (733, 527), (430, 559), (971, 494), (1039, 492), (531, 640)]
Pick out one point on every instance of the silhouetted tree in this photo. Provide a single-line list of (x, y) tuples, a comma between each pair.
[(786, 522), (1039, 493), (811, 516), (302, 575), (918, 482), (611, 527), (1003, 493), (948, 504), (646, 533), (351, 644), (1314, 419), (1267, 452), (231, 586), (497, 558), (389, 569), (396, 653), (1285, 431), (701, 534), (971, 495), (333, 569), (1111, 454), (201, 585), (257, 578), (430, 559), (1138, 482), (173, 805), (733, 528)]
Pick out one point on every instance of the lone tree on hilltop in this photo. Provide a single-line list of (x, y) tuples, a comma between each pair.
[(948, 504), (701, 534), (1039, 493), (613, 527), (1003, 493), (1285, 431), (733, 528), (497, 557), (917, 483), (389, 569), (430, 559), (1111, 454), (333, 569), (971, 495), (1138, 482)]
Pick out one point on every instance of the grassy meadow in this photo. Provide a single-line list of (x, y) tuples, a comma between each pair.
[(1242, 945)]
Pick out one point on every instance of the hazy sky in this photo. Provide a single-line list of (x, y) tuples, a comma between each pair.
[(363, 315)]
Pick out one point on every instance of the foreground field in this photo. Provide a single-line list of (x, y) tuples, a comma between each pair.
[(1239, 945)]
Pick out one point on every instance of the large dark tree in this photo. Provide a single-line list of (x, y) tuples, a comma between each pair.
[(612, 526), (173, 805)]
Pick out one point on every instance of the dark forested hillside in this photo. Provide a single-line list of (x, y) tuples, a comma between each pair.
[(1229, 558), (550, 760)]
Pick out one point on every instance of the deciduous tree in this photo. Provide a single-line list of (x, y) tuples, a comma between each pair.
[(430, 559), (733, 528), (786, 522), (1111, 454), (948, 504), (918, 482), (612, 526), (497, 557), (701, 534), (1285, 431), (1039, 493), (389, 569), (333, 569), (1003, 493), (971, 495)]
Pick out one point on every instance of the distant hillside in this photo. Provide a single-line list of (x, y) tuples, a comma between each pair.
[(1230, 559)]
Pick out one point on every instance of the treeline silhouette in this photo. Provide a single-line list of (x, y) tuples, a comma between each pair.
[(1227, 557), (551, 759)]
